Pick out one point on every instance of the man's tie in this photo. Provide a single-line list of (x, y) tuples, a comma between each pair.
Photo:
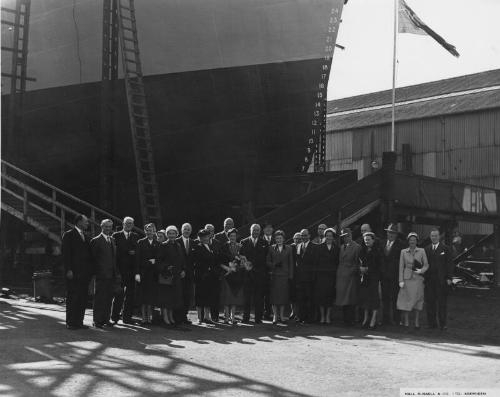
[(187, 246)]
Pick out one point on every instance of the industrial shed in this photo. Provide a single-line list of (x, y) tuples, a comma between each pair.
[(452, 128), (446, 129)]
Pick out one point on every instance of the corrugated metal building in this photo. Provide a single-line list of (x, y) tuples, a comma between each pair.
[(446, 129)]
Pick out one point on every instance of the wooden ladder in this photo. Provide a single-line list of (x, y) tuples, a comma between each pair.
[(138, 114)]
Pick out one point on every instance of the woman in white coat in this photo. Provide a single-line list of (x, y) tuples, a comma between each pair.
[(412, 265)]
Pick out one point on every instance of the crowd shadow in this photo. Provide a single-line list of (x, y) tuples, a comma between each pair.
[(143, 361)]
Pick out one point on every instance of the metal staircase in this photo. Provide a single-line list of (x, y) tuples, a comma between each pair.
[(45, 207), (342, 200), (138, 113)]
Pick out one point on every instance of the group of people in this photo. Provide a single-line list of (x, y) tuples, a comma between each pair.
[(174, 272)]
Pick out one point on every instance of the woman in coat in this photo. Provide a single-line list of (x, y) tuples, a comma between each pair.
[(412, 265), (325, 275), (347, 276), (370, 268), (281, 265), (171, 271), (146, 272), (205, 277), (232, 277)]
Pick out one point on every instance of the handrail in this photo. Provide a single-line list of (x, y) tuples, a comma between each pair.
[(69, 195), (298, 204), (55, 201)]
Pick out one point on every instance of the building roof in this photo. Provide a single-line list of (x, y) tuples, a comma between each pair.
[(456, 95)]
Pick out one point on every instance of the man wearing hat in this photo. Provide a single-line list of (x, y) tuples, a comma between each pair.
[(392, 247), (348, 276)]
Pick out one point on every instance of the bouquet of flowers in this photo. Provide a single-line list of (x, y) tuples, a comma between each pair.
[(235, 271), (238, 263)]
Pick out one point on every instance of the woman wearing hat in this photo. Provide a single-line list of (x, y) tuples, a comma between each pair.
[(171, 271), (325, 274), (280, 263), (161, 236), (412, 265), (232, 277), (370, 267), (347, 276), (205, 277)]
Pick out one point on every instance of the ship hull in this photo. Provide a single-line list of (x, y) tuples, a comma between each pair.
[(231, 89), (215, 133)]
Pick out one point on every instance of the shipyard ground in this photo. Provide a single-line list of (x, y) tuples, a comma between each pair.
[(39, 357)]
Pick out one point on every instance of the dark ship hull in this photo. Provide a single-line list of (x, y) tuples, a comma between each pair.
[(215, 132)]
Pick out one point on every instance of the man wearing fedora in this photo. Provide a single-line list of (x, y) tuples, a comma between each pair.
[(392, 247)]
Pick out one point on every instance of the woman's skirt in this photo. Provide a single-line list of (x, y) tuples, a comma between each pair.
[(170, 296), (279, 290), (324, 289), (206, 290), (148, 287), (411, 296), (368, 296), (231, 293)]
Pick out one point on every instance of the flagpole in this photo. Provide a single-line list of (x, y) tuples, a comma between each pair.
[(393, 130)]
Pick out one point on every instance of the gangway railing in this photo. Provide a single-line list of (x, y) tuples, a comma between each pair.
[(45, 207)]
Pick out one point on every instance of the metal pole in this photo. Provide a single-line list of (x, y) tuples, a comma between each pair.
[(393, 130)]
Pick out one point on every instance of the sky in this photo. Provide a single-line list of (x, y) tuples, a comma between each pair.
[(366, 31)]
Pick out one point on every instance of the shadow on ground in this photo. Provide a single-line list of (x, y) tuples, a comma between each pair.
[(40, 357)]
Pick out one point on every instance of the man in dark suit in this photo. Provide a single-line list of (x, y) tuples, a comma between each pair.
[(267, 235), (255, 249), (320, 236), (126, 245), (306, 263), (221, 237), (188, 253), (77, 260), (297, 239), (392, 247), (437, 280), (215, 246), (108, 279)]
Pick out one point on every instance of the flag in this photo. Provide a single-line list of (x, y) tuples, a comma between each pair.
[(409, 22)]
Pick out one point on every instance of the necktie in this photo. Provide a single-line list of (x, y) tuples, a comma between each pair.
[(82, 236), (187, 246)]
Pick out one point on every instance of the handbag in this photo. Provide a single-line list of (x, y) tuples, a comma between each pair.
[(417, 265), (169, 280), (166, 277)]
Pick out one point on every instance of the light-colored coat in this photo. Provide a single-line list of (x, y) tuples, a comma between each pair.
[(347, 275), (406, 261)]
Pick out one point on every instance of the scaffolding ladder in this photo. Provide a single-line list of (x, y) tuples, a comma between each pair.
[(138, 113), (18, 21)]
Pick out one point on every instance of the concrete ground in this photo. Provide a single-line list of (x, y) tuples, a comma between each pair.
[(39, 357)]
